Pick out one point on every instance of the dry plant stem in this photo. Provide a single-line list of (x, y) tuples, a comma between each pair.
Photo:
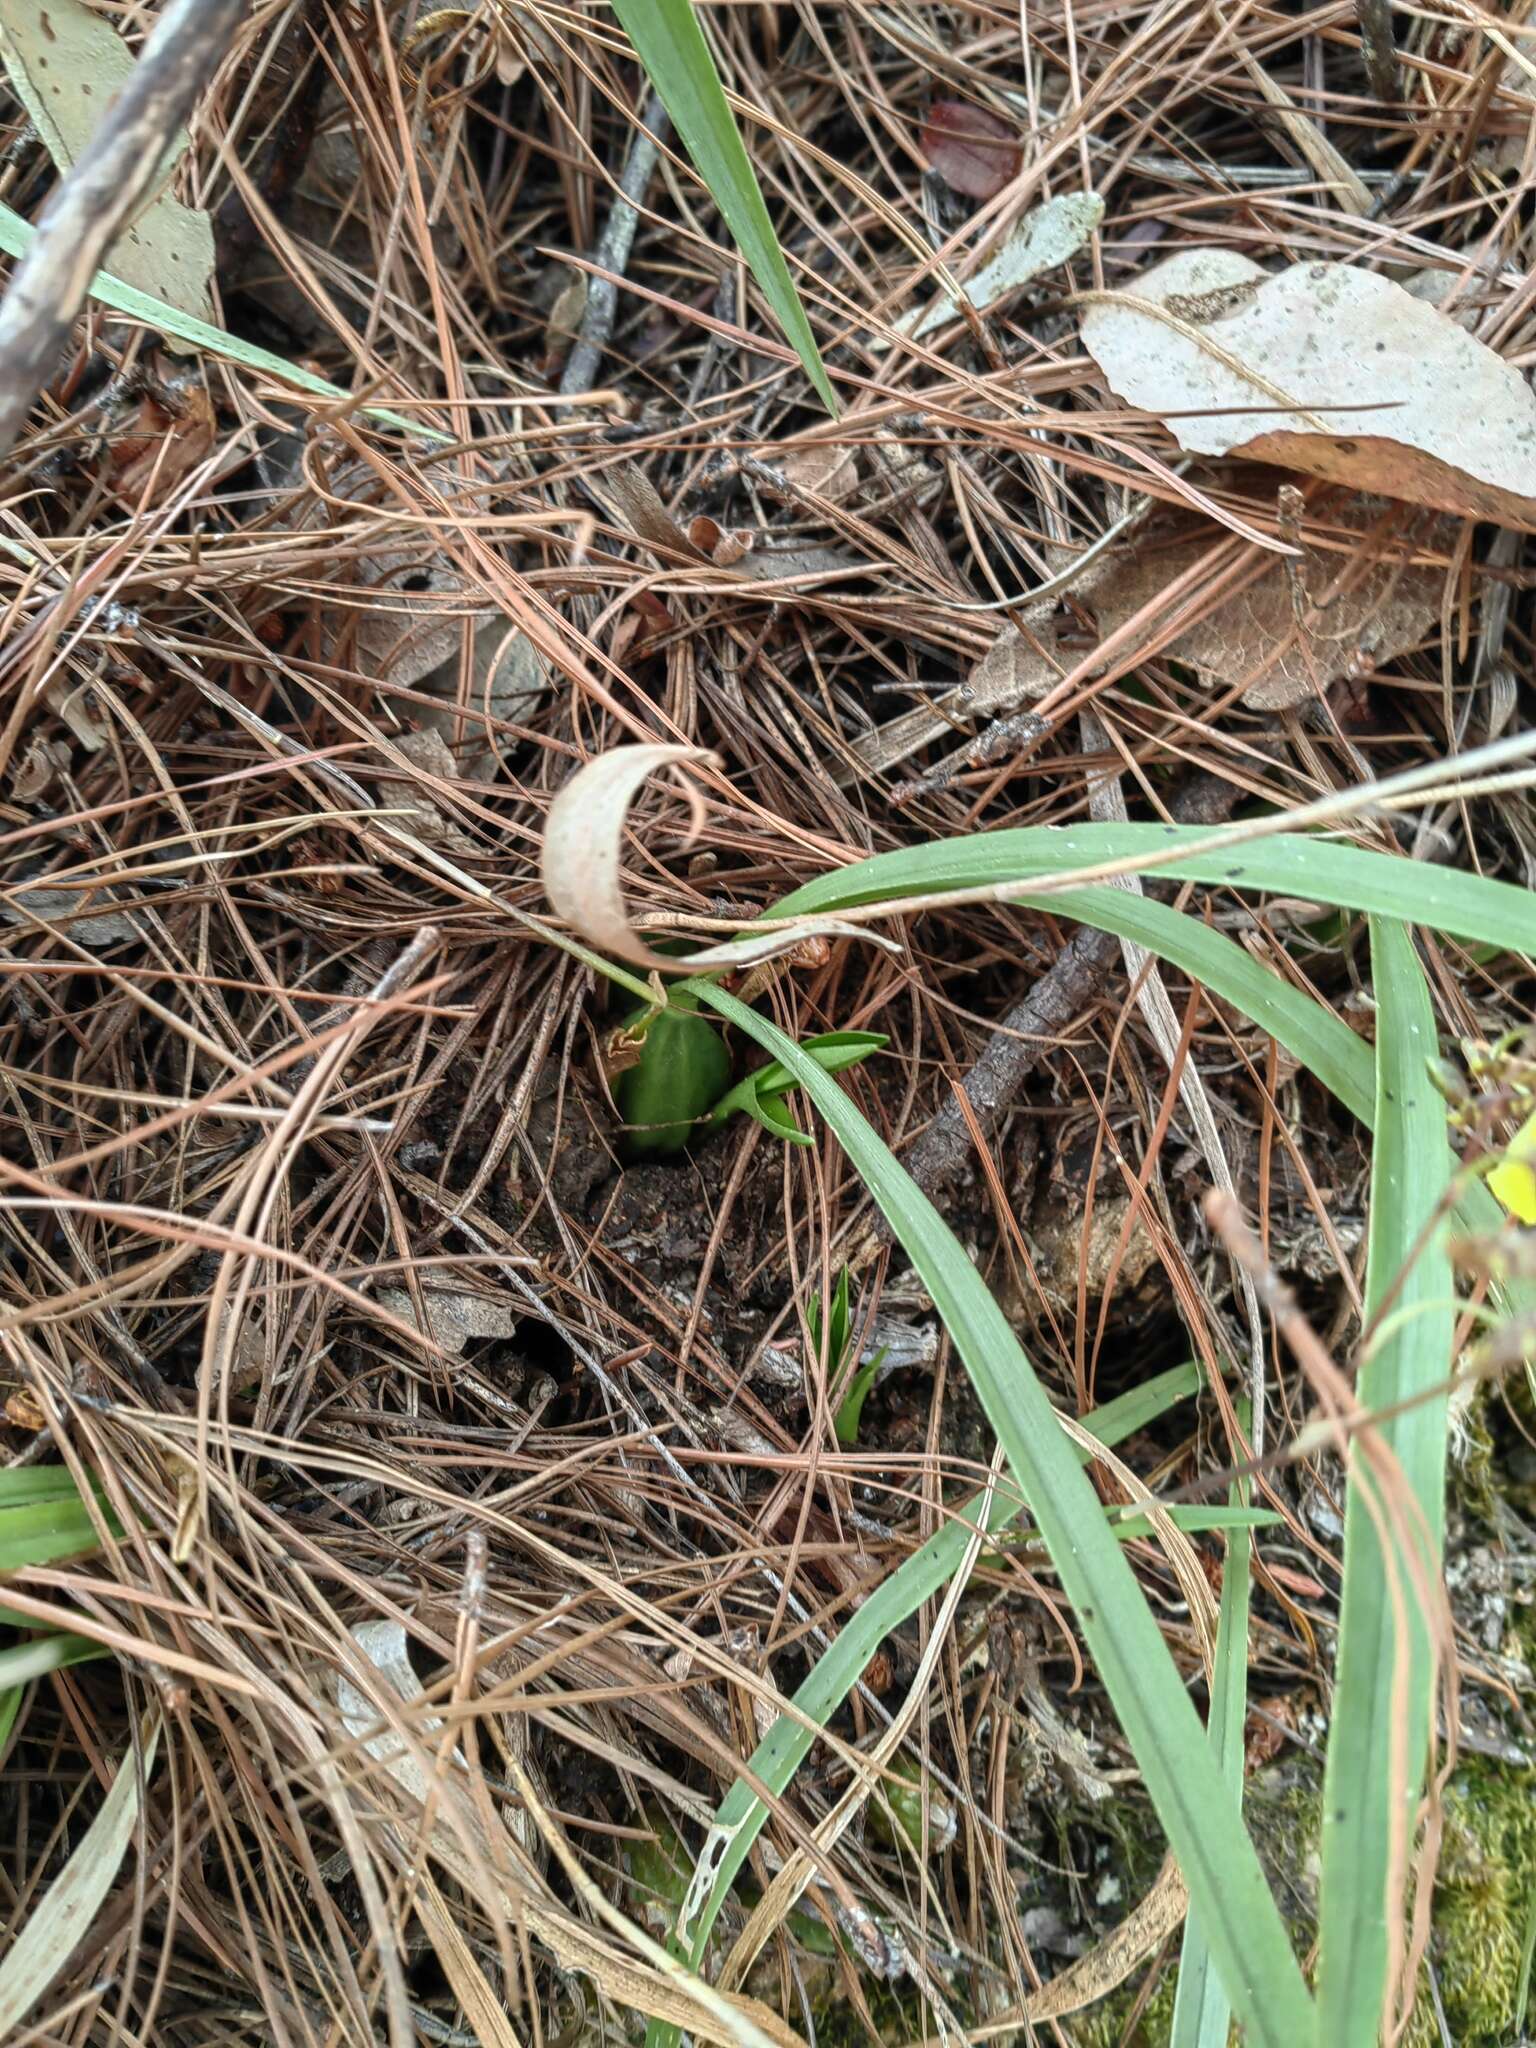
[(612, 251), (1022, 1038), (1379, 48), (100, 195)]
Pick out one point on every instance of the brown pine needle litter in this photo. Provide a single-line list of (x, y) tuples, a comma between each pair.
[(468, 1488)]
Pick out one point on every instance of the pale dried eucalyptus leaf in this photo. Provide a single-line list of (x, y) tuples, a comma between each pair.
[(65, 62), (1043, 239), (1325, 368)]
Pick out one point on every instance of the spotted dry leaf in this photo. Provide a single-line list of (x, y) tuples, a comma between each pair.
[(1325, 368)]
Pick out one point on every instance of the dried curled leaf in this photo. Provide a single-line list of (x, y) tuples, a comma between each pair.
[(973, 151), (580, 868), (1282, 634), (1328, 369)]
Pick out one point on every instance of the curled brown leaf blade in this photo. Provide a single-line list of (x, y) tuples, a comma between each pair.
[(582, 855)]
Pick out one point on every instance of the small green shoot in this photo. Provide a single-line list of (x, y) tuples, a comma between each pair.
[(851, 1407), (670, 1073), (839, 1324), (42, 1521), (761, 1094), (907, 1798)]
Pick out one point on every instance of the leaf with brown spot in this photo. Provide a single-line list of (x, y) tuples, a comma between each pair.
[(65, 62)]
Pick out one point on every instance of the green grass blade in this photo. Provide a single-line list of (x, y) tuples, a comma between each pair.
[(1380, 1680), (925, 1573), (1325, 1046), (1199, 1815), (28, 1484), (44, 1532), (670, 44), (1326, 871), (16, 237), (1194, 1521), (23, 1662), (1202, 2012)]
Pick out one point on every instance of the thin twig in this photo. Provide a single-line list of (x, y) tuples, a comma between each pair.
[(1379, 49), (1039, 1018), (612, 251)]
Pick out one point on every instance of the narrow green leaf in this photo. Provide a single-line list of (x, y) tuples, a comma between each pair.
[(27, 1484), (1195, 1521), (851, 1408), (741, 1815), (23, 1662), (1324, 1045), (44, 1532), (760, 1093), (1202, 2012), (1351, 877), (17, 236), (1199, 1814), (670, 44), (1527, 1958), (1383, 1676)]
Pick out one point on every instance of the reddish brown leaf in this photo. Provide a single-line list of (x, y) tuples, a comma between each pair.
[(973, 151)]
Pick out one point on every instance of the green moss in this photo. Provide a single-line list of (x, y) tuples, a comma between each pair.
[(1283, 1806), (1482, 1897)]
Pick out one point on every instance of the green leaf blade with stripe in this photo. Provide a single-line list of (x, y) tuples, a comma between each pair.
[(1198, 1812)]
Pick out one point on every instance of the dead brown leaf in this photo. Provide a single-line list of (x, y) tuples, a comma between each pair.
[(974, 152), (1284, 634)]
